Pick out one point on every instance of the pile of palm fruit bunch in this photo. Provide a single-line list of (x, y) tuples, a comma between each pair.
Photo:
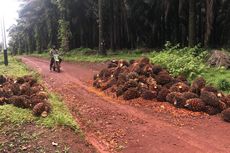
[(140, 78), (24, 92)]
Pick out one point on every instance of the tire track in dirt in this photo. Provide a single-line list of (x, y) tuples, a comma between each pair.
[(111, 126)]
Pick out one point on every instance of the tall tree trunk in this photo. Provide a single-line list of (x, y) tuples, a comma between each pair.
[(101, 30), (209, 21), (115, 30), (95, 37), (82, 44), (181, 22), (163, 30), (112, 25), (192, 23), (125, 16), (166, 20), (177, 30)]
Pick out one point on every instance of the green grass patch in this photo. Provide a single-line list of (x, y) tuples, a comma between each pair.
[(42, 55), (60, 115), (219, 78), (75, 56), (14, 68), (9, 113), (99, 58)]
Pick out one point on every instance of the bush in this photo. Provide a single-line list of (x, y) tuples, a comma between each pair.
[(185, 61)]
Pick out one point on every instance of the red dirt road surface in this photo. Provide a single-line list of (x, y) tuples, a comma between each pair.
[(137, 126)]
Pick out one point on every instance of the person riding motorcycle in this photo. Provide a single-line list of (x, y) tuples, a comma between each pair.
[(53, 51)]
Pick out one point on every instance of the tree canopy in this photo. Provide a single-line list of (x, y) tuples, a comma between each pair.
[(130, 24)]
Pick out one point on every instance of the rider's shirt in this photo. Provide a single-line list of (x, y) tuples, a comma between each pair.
[(53, 52)]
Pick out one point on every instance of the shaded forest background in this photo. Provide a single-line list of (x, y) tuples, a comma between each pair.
[(129, 24)]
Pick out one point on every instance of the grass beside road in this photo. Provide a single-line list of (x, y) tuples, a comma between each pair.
[(14, 69), (81, 55), (220, 78), (60, 115)]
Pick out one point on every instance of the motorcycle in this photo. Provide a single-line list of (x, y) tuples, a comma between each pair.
[(56, 64)]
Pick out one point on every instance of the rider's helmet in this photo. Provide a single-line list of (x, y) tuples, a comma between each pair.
[(53, 47)]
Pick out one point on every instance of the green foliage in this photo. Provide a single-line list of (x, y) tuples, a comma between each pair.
[(60, 115), (79, 56), (185, 61), (224, 84), (213, 76), (80, 50), (137, 51), (14, 69), (9, 113), (84, 49), (64, 34)]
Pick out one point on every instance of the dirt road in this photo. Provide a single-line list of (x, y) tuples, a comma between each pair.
[(137, 126)]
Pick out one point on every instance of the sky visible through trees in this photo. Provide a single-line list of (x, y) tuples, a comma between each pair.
[(8, 10)]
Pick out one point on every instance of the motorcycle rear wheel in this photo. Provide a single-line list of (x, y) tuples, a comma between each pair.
[(58, 67)]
